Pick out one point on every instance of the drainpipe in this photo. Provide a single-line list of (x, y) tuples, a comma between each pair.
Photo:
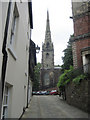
[(5, 55)]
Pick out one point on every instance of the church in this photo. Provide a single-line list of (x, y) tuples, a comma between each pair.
[(49, 74)]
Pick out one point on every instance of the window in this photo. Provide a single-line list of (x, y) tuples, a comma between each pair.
[(13, 28), (5, 103), (47, 55), (46, 79), (12, 45)]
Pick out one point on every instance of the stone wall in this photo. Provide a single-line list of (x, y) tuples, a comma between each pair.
[(57, 73), (52, 79), (74, 55), (77, 95), (80, 7)]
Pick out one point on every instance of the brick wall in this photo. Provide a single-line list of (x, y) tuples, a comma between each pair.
[(79, 45), (81, 25), (81, 39), (77, 95)]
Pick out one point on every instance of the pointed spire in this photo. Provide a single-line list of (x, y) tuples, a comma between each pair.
[(47, 15), (47, 24), (48, 33)]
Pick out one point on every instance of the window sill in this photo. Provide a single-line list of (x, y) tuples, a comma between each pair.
[(10, 49), (5, 105)]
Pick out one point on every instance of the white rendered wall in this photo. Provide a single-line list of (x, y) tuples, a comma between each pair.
[(17, 69)]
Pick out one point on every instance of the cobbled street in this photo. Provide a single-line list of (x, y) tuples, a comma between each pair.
[(52, 107)]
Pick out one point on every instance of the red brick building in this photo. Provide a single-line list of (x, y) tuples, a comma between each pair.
[(81, 39)]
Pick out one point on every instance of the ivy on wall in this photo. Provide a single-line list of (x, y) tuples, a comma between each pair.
[(70, 75)]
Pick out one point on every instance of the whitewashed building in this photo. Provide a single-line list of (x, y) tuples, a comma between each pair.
[(15, 41)]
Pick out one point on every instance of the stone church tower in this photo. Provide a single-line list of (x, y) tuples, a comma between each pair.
[(47, 48), (47, 70), (49, 74)]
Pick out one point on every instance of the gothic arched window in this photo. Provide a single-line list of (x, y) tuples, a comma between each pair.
[(46, 79)]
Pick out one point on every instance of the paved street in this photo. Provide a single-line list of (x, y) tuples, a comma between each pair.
[(52, 107)]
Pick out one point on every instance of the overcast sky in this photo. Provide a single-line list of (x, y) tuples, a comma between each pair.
[(61, 25)]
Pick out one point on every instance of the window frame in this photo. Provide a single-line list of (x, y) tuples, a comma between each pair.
[(5, 106), (14, 24), (11, 45)]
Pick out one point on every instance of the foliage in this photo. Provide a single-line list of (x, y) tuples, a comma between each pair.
[(65, 77), (79, 78), (68, 58), (36, 77), (70, 75)]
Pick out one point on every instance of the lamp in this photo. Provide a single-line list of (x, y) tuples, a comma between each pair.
[(37, 49)]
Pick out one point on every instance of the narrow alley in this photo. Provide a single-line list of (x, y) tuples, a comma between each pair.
[(52, 107), (44, 59)]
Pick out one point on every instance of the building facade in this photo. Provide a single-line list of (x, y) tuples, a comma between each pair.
[(15, 77), (48, 71), (81, 39)]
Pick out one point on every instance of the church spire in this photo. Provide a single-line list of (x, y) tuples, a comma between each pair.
[(47, 48), (47, 15), (47, 24), (48, 33)]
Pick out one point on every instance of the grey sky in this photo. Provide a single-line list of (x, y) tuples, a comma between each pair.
[(61, 25)]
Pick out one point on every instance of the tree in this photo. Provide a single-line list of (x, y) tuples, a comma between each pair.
[(68, 58), (36, 77)]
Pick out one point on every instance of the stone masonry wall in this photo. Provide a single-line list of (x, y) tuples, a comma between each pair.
[(74, 55), (80, 7), (57, 73), (53, 78), (77, 95)]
